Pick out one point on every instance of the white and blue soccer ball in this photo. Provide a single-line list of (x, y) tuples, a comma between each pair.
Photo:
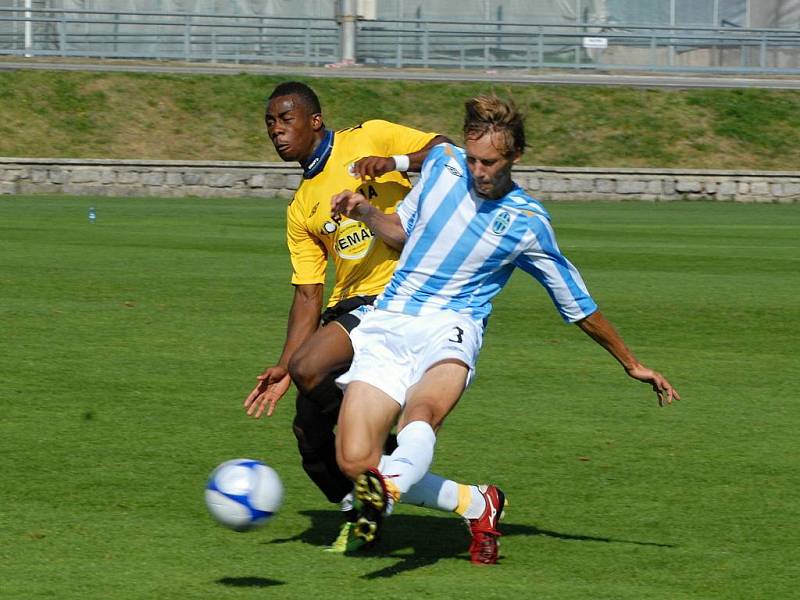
[(243, 494)]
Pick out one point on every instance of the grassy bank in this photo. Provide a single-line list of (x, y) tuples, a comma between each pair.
[(114, 115)]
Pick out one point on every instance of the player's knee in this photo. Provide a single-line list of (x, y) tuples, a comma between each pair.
[(303, 372), (352, 465), (352, 469)]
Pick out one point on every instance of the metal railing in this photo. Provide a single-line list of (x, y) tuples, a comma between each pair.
[(396, 42), (490, 45), (178, 36)]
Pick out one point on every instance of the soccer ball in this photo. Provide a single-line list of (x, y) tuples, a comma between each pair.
[(243, 494)]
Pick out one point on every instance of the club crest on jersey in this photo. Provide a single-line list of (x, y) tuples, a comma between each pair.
[(501, 223)]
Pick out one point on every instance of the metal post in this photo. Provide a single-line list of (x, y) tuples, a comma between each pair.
[(425, 42), (672, 33), (213, 46), (653, 55), (28, 29), (187, 37), (62, 35), (541, 47), (401, 27), (116, 33), (487, 15), (307, 43), (348, 29)]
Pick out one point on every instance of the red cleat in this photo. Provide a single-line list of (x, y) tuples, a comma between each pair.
[(484, 548)]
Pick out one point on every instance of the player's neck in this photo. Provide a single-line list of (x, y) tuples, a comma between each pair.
[(315, 162), (499, 192)]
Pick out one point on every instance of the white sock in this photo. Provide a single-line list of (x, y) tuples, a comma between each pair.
[(413, 456), (433, 491), (346, 503), (477, 504)]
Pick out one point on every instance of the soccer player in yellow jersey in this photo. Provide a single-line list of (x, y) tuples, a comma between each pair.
[(371, 158)]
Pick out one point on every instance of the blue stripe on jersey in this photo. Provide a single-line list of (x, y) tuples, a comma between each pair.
[(461, 249), (566, 271), (485, 290), (437, 222)]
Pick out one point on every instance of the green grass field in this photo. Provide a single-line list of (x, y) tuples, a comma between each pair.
[(129, 346)]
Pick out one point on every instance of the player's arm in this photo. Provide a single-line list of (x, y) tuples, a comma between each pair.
[(303, 322), (371, 167), (600, 329), (309, 260), (386, 226)]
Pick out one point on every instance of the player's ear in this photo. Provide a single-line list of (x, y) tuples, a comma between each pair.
[(516, 156), (317, 122)]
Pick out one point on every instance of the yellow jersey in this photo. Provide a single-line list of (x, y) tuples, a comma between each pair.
[(363, 262)]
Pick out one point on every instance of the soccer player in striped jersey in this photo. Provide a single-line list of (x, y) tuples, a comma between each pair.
[(371, 158), (463, 229)]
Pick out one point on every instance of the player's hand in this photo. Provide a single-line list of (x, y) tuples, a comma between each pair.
[(272, 385), (350, 204), (372, 167), (663, 388)]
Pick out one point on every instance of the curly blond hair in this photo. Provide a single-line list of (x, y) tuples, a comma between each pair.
[(491, 114)]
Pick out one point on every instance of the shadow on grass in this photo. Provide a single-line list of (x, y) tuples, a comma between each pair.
[(421, 540), (255, 582)]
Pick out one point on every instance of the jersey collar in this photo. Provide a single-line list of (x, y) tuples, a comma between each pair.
[(316, 162)]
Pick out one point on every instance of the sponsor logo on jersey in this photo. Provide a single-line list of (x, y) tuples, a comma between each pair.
[(501, 223), (353, 240)]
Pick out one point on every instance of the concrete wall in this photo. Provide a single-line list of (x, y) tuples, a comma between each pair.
[(269, 180)]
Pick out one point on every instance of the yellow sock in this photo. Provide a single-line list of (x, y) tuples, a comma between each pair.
[(464, 499)]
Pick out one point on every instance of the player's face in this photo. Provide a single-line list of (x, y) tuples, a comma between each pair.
[(490, 168), (292, 127)]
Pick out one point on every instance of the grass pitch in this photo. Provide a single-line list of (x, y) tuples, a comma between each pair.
[(129, 346)]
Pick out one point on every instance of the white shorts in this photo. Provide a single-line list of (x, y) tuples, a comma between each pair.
[(394, 350)]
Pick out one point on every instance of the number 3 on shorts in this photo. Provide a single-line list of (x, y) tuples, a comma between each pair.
[(459, 336)]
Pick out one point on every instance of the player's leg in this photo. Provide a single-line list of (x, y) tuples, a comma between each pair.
[(317, 407), (365, 419), (366, 416), (428, 402), (328, 351), (313, 369)]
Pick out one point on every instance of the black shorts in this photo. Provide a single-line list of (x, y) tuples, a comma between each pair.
[(341, 312)]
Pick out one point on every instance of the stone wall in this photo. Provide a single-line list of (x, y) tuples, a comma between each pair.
[(268, 180)]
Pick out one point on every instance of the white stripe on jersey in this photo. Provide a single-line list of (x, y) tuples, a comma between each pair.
[(461, 248)]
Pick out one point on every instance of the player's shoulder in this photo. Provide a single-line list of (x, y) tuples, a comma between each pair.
[(446, 154), (527, 206), (371, 127), (302, 195)]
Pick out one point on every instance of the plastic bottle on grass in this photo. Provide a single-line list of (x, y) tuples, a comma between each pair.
[(92, 215)]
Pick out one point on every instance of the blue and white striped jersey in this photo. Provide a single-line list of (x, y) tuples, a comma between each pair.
[(461, 248)]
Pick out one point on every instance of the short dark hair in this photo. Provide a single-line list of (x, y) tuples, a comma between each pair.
[(302, 91), (490, 114)]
